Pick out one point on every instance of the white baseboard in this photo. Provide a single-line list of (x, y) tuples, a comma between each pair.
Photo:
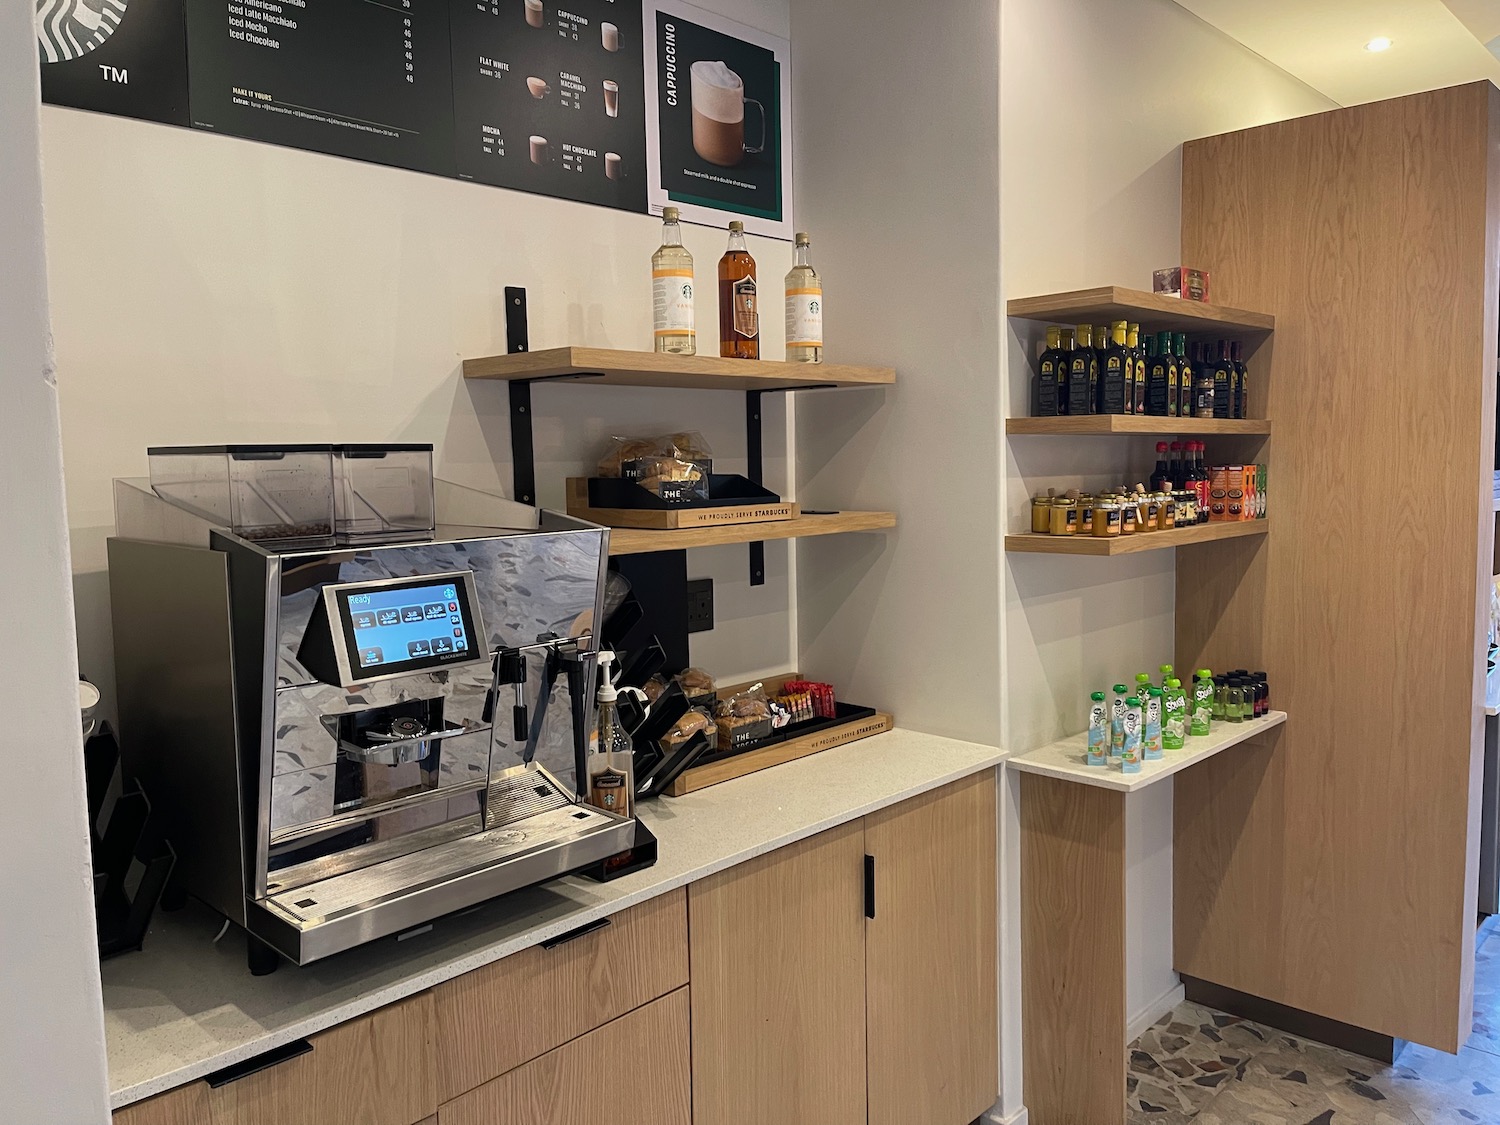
[(1152, 1012), (993, 1117)]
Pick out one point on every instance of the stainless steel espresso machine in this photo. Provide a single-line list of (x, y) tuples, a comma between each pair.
[(353, 716)]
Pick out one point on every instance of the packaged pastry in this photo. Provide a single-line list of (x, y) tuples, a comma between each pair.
[(654, 687), (698, 686), (743, 719), (693, 721), (673, 466)]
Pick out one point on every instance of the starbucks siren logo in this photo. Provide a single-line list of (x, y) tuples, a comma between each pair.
[(70, 29)]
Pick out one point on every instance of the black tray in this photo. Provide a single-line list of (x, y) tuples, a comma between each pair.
[(844, 713), (724, 491)]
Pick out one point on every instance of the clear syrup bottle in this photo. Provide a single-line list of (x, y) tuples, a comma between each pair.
[(672, 290), (804, 307)]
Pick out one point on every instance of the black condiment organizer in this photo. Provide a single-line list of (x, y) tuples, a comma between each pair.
[(724, 491), (131, 859), (844, 713)]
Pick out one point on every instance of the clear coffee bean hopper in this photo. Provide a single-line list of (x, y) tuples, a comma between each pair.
[(264, 493)]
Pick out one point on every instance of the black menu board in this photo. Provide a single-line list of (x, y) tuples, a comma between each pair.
[(113, 56), (548, 97), (367, 79), (544, 96)]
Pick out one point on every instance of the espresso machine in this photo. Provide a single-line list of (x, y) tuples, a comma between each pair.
[(361, 699)]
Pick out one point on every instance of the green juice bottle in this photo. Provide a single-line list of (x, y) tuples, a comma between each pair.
[(1166, 676), (1201, 720), (1174, 723)]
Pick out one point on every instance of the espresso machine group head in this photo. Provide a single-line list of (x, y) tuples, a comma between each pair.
[(349, 739)]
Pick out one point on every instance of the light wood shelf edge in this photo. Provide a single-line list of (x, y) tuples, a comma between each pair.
[(1107, 424), (614, 367), (1088, 545), (1087, 304), (1064, 759), (633, 541)]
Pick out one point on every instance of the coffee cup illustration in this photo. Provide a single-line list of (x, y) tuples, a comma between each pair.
[(719, 115), (541, 151), (538, 87), (612, 165), (611, 98), (534, 13), (609, 35)]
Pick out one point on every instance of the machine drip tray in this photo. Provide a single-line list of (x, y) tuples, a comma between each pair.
[(453, 875)]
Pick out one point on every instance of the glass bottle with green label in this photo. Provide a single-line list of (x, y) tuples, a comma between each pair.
[(1201, 719)]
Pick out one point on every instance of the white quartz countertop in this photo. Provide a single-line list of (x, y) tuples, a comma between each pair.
[(185, 1007), (1067, 759)]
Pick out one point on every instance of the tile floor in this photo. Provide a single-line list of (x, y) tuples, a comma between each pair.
[(1202, 1066)]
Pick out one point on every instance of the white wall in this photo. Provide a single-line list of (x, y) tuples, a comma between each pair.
[(51, 1023), (210, 289), (1105, 91)]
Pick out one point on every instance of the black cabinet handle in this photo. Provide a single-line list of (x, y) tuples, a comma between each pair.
[(275, 1057), (573, 935), (869, 886)]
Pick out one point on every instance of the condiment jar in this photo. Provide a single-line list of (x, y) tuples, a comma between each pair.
[(1085, 515), (1152, 506), (1130, 517), (1064, 519), (1041, 513), (1168, 511), (1106, 519)]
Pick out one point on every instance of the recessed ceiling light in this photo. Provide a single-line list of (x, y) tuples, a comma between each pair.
[(1379, 43)]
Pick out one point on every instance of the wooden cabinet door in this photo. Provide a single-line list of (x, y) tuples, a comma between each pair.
[(931, 957), (632, 1071), (187, 1105), (777, 950)]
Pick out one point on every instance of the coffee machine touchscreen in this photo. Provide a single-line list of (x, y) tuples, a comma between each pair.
[(409, 625)]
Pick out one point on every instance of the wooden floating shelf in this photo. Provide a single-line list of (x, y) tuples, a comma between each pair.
[(1133, 544), (632, 541), (1135, 424), (1151, 310), (1065, 759), (596, 367)]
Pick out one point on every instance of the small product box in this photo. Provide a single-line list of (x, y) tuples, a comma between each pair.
[(1260, 492), (1218, 493), (1181, 281), (1250, 502)]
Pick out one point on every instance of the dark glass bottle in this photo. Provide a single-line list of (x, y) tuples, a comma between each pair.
[(1115, 385), (1242, 392), (1161, 377), (1189, 406), (1161, 479), (1224, 382), (1179, 350), (1136, 344), (1080, 371), (1175, 467), (1045, 385)]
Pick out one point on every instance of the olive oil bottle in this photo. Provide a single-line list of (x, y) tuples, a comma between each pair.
[(1242, 395), (1082, 371), (1046, 387), (1137, 345), (1225, 381), (1161, 378), (1184, 376), (1116, 371)]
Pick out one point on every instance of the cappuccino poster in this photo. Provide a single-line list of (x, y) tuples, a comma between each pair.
[(718, 119)]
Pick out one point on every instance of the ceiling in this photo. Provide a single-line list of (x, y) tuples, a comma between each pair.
[(1435, 43)]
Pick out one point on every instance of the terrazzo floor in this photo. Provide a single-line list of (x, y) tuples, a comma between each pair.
[(1202, 1066)]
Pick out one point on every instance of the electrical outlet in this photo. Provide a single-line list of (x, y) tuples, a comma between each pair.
[(700, 605)]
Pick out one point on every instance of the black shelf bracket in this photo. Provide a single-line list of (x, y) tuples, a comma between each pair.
[(755, 453)]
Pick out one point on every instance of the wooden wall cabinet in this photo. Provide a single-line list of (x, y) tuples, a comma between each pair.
[(1334, 869), (808, 1012)]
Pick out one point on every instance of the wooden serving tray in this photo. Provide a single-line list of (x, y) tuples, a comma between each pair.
[(658, 519), (752, 761)]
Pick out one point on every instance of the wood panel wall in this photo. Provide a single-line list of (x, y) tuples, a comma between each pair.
[(1334, 868)]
